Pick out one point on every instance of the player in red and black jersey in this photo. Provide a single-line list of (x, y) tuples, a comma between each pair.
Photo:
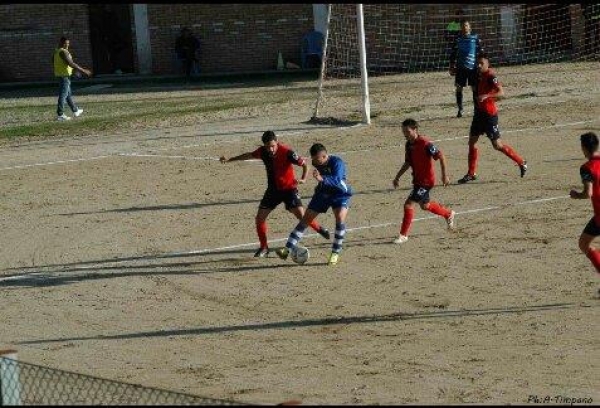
[(420, 154), (590, 177), (282, 185), (485, 120)]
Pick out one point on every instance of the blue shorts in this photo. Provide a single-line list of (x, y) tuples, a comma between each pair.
[(321, 202)]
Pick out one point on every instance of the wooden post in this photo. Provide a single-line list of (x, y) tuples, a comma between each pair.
[(10, 386)]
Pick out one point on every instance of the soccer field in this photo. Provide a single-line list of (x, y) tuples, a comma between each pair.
[(127, 247)]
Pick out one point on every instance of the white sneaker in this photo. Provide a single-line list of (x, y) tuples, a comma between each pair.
[(63, 118), (401, 239), (78, 112), (450, 221)]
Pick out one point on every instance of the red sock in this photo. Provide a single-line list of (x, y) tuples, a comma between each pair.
[(437, 209), (594, 256), (261, 230), (507, 150), (315, 225), (473, 156), (409, 214)]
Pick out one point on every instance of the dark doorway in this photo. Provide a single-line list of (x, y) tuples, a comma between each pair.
[(110, 35)]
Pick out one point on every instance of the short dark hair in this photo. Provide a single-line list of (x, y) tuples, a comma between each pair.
[(316, 148), (411, 123), (63, 40), (589, 141), (269, 136), (483, 55)]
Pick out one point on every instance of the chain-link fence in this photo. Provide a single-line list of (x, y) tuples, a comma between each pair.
[(30, 384)]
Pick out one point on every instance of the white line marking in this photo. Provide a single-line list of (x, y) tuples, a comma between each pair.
[(299, 132), (24, 166), (162, 156), (250, 244)]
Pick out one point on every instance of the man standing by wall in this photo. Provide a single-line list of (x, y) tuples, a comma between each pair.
[(63, 68)]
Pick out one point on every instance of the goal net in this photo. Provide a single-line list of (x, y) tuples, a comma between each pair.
[(417, 38)]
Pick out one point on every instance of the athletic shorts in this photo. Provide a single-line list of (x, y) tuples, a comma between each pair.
[(273, 198), (420, 194), (484, 123), (465, 76), (592, 228), (321, 202)]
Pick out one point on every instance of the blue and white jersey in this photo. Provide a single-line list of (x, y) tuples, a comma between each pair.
[(465, 50), (334, 178)]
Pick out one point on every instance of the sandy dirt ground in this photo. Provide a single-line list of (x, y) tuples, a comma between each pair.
[(129, 256)]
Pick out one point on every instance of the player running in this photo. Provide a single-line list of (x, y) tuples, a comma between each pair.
[(590, 177), (331, 191), (419, 155), (282, 185), (485, 120)]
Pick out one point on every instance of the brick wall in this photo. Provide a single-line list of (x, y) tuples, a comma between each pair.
[(234, 37), (29, 33)]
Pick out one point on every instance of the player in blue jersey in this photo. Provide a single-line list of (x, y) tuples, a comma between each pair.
[(463, 64), (332, 191)]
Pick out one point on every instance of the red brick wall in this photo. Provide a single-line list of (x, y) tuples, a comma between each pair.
[(30, 32), (234, 37)]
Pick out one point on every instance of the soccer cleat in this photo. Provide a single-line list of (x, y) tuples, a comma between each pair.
[(523, 168), (333, 258), (283, 253), (401, 239), (324, 232), (450, 220), (63, 118), (459, 114), (262, 253), (467, 178), (78, 112)]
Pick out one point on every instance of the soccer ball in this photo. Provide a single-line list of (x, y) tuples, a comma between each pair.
[(300, 254)]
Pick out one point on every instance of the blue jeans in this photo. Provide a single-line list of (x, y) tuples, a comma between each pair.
[(64, 94)]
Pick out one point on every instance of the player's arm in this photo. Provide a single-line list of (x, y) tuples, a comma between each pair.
[(298, 160), (442, 159), (587, 180), (66, 56), (453, 55), (405, 166), (496, 92), (304, 172), (243, 156)]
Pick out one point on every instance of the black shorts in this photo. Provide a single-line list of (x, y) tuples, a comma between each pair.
[(592, 228), (484, 123), (420, 194), (465, 76), (273, 198)]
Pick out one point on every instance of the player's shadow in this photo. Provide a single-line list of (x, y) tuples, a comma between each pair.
[(318, 322), (191, 206), (67, 276)]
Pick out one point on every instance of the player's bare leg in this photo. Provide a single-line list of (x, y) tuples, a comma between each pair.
[(297, 234), (299, 213), (511, 153)]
